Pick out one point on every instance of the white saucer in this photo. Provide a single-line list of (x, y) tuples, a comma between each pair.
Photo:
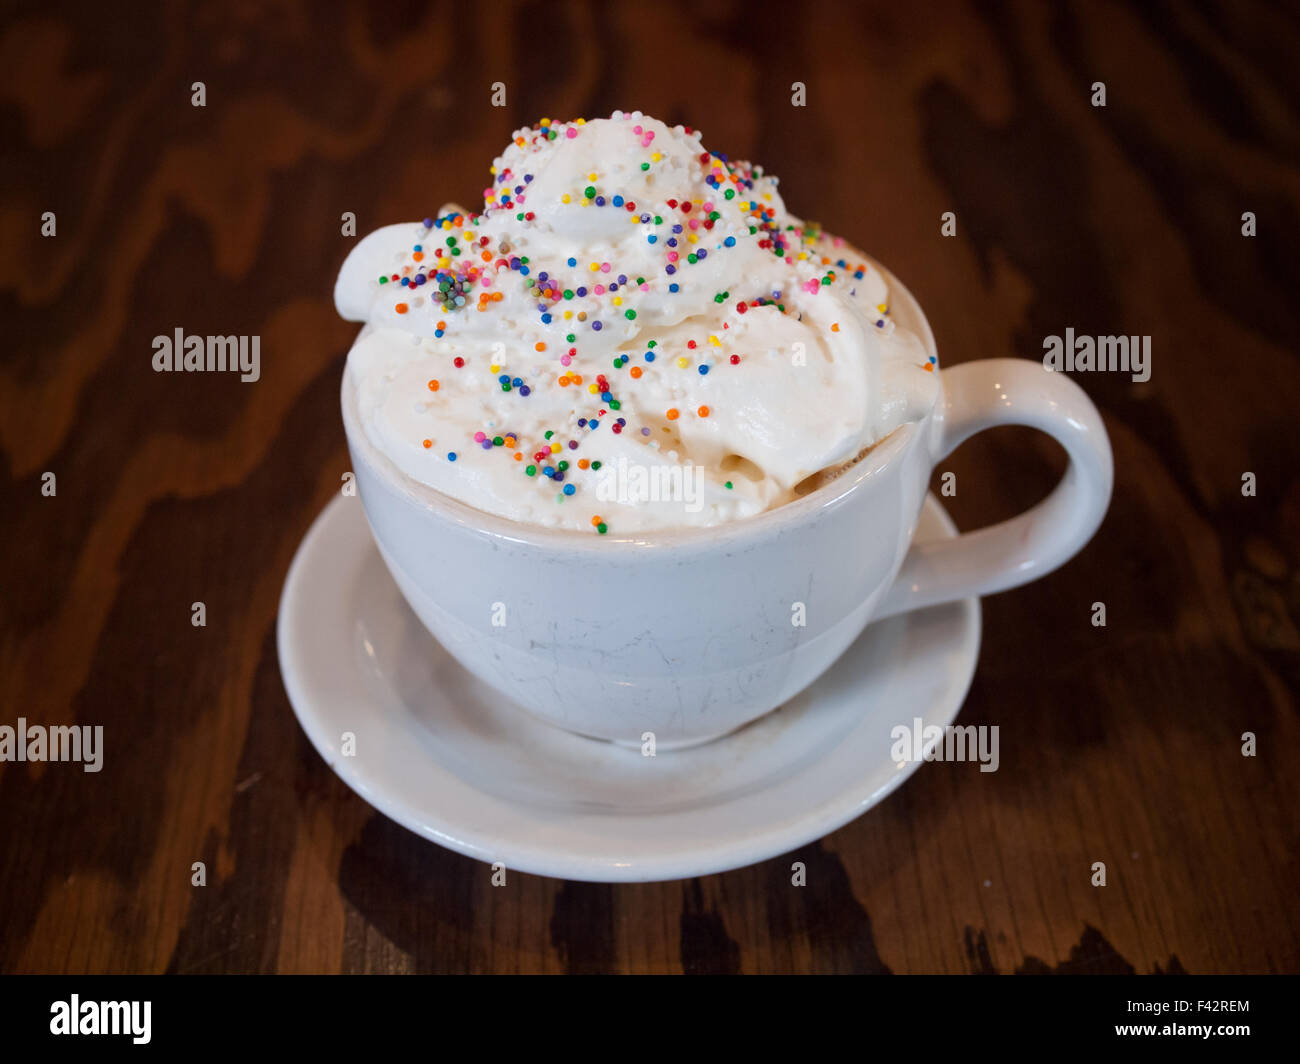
[(447, 757)]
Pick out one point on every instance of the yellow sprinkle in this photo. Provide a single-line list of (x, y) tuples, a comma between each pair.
[(683, 362), (591, 388), (618, 301), (564, 198), (693, 238), (580, 122), (555, 448), (495, 369), (803, 255), (655, 157), (715, 341), (883, 308), (595, 267), (568, 314)]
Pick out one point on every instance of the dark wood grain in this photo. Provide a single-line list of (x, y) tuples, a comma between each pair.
[(1119, 744)]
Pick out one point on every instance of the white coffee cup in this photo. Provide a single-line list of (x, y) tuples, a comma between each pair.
[(689, 634)]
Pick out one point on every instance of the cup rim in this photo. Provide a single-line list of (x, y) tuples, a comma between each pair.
[(824, 498)]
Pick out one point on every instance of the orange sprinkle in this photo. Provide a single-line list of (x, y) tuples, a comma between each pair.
[(564, 380), (583, 463), (401, 308), (672, 413), (636, 371), (703, 411), (418, 256), (428, 444), (929, 367), (434, 386), (486, 256), (442, 325), (835, 327), (595, 520), (576, 378), (539, 346), (519, 456)]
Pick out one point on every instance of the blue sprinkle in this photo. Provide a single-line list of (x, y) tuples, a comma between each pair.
[(548, 471), (504, 378), (573, 262), (569, 489), (617, 201), (451, 456), (704, 370), (517, 382), (546, 319), (593, 424), (652, 239), (418, 247), (673, 287), (605, 397), (730, 242), (649, 356)]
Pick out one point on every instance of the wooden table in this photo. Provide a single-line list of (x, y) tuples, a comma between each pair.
[(1120, 744)]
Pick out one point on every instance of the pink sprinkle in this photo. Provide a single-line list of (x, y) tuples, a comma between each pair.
[(479, 437), (694, 223), (565, 359), (645, 288), (636, 129), (599, 289), (570, 132), (604, 267), (811, 286), (672, 256)]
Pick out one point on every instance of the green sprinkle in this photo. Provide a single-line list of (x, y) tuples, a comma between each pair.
[(729, 194), (714, 216), (602, 528), (549, 434), (727, 485), (645, 166), (568, 293), (531, 470), (589, 192), (571, 338), (629, 314), (505, 386), (653, 343), (692, 257), (615, 404), (658, 220), (561, 466), (595, 465), (497, 441)]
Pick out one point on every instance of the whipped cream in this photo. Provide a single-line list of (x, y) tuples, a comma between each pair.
[(634, 333)]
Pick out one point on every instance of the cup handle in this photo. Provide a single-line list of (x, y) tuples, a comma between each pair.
[(1010, 391)]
